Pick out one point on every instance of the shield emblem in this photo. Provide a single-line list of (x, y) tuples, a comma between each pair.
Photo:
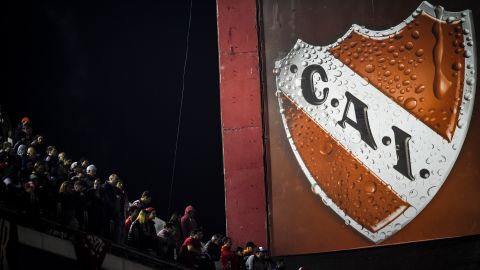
[(377, 119)]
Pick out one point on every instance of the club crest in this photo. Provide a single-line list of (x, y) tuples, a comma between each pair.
[(377, 119)]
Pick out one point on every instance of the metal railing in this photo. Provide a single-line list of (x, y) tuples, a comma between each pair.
[(43, 225)]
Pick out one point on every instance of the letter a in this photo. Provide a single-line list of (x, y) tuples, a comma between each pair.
[(361, 115)]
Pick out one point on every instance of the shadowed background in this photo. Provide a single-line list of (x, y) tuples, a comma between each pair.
[(103, 80)]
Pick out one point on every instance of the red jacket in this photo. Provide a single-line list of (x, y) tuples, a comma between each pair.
[(228, 259)]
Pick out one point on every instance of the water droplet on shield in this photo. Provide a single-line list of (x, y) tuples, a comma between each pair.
[(370, 187), (470, 81), (410, 103), (410, 212), (431, 191)]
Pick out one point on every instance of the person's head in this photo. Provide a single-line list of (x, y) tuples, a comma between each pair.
[(67, 162), (84, 162), (142, 216), (227, 241), (250, 246), (146, 197), (217, 238), (73, 165), (39, 167), (169, 227), (28, 131), (120, 184), (25, 121), (97, 184), (66, 187), (190, 211), (113, 179), (31, 152), (79, 186), (260, 252), (91, 170), (52, 151), (29, 187), (151, 213), (39, 139), (62, 156), (21, 150), (197, 234), (78, 169), (239, 251)]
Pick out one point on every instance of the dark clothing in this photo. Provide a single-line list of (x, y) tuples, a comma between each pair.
[(255, 263), (67, 209), (80, 201), (113, 212), (30, 203), (51, 164), (89, 180), (168, 244), (213, 250), (96, 211), (13, 191), (62, 173), (6, 128), (177, 233), (142, 235), (26, 160), (19, 133), (44, 191)]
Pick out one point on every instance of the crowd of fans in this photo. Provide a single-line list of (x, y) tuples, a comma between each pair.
[(38, 180)]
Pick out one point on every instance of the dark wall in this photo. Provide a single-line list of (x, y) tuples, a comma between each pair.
[(456, 253), (103, 80)]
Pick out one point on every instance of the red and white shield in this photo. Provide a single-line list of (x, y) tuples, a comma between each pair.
[(377, 119)]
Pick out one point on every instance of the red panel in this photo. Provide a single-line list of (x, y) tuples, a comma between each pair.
[(237, 26), (244, 199), (242, 149), (240, 98)]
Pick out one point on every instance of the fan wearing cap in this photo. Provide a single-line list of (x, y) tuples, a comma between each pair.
[(22, 129), (258, 260)]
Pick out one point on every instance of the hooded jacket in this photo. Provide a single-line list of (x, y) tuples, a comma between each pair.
[(187, 223)]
